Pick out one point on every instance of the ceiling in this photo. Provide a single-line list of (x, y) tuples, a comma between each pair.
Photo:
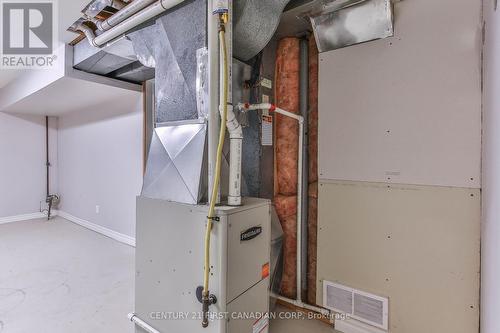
[(70, 94), (68, 13)]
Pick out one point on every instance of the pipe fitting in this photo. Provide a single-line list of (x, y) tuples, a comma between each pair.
[(141, 323), (118, 4), (233, 126), (89, 33)]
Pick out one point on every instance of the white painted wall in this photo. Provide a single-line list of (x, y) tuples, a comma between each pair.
[(101, 163), (490, 298), (22, 166)]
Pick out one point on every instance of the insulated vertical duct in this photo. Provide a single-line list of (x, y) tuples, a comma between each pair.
[(312, 233), (287, 139)]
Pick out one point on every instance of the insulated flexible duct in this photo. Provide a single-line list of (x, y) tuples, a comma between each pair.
[(255, 22), (313, 172), (287, 147)]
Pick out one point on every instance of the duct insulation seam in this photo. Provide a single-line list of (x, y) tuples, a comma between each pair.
[(287, 139)]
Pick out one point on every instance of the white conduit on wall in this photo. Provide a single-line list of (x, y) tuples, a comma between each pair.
[(300, 197)]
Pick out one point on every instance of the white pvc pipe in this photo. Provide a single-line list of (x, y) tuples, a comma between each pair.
[(141, 323), (233, 126), (299, 209), (302, 305), (133, 21), (89, 33), (272, 108), (123, 14), (236, 147)]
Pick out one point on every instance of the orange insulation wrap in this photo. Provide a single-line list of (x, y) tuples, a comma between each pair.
[(312, 250), (286, 208), (313, 110), (287, 138), (313, 171), (287, 145), (313, 190), (287, 130), (289, 280)]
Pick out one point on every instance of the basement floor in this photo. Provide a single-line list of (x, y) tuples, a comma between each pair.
[(58, 277)]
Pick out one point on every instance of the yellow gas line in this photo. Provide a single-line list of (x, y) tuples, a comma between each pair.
[(216, 182)]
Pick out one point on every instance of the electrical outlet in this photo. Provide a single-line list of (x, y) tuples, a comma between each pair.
[(97, 209)]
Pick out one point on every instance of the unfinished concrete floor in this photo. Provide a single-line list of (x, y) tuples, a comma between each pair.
[(57, 277)]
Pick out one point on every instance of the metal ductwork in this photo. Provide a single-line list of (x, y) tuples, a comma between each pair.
[(255, 22), (174, 50), (176, 167)]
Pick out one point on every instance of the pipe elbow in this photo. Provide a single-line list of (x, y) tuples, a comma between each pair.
[(237, 133), (89, 33), (232, 124)]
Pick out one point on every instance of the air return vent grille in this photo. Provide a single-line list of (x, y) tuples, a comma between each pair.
[(365, 307)]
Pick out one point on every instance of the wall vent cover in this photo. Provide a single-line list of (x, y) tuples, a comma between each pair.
[(357, 304)]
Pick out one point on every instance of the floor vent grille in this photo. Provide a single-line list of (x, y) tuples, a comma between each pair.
[(357, 304)]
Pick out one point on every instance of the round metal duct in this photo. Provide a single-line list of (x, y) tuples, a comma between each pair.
[(255, 22)]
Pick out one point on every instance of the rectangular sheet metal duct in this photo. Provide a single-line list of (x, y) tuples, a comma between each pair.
[(336, 28), (176, 163)]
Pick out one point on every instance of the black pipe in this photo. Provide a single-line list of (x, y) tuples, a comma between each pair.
[(50, 199), (47, 161)]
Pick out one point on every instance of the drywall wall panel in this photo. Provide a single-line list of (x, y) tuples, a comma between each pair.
[(101, 162), (22, 167), (417, 245), (406, 109), (490, 269)]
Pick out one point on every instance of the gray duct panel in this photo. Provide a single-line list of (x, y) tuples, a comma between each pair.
[(105, 60), (134, 72), (176, 163), (171, 44), (255, 22)]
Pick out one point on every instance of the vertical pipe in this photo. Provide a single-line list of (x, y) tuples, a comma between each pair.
[(213, 88), (304, 110), (236, 135), (47, 158), (300, 221)]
